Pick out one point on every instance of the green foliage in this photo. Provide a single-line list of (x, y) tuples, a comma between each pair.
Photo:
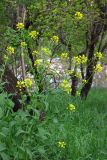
[(23, 136), (33, 134)]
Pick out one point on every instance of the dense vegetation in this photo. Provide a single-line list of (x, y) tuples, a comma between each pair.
[(50, 52), (83, 131)]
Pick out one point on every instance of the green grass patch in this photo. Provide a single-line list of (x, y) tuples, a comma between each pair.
[(83, 131)]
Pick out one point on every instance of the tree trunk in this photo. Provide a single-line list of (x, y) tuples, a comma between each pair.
[(89, 73), (95, 33), (10, 87)]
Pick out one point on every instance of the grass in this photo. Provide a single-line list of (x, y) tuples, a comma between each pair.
[(84, 131), (25, 137)]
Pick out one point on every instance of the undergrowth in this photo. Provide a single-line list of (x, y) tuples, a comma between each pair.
[(83, 131)]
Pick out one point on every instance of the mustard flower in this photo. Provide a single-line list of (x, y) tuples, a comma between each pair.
[(20, 85), (66, 86), (23, 44), (77, 60), (28, 82), (84, 81), (20, 26), (79, 15), (64, 55), (55, 39), (33, 34), (5, 58), (78, 74), (98, 55), (37, 62), (70, 72), (83, 59), (35, 52), (71, 107), (10, 50), (61, 144), (98, 68), (45, 50)]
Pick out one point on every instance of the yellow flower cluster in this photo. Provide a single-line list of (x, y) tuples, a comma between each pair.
[(37, 62), (77, 60), (79, 15), (78, 74), (64, 55), (20, 25), (27, 83), (98, 55), (81, 59), (71, 107), (66, 86), (45, 50), (35, 52), (55, 39), (5, 58), (84, 81), (98, 68), (61, 144), (10, 50), (70, 72), (33, 34), (23, 44)]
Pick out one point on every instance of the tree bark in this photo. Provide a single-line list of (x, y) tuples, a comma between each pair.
[(95, 33), (10, 87)]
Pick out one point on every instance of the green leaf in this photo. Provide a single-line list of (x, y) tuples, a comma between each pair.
[(20, 132), (1, 113), (5, 156), (2, 147), (41, 150)]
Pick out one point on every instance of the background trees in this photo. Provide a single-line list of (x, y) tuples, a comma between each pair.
[(80, 26)]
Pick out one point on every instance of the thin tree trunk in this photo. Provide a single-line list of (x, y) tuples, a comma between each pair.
[(95, 33)]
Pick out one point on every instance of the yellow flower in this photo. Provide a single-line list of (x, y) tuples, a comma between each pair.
[(71, 107), (77, 60), (98, 68), (66, 86), (45, 50), (55, 39), (64, 55), (64, 82), (37, 62), (20, 25), (20, 85), (10, 50), (35, 52), (83, 59), (61, 144), (79, 15), (28, 82), (84, 81), (98, 55), (5, 58), (78, 75), (70, 72), (33, 34), (23, 44)]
